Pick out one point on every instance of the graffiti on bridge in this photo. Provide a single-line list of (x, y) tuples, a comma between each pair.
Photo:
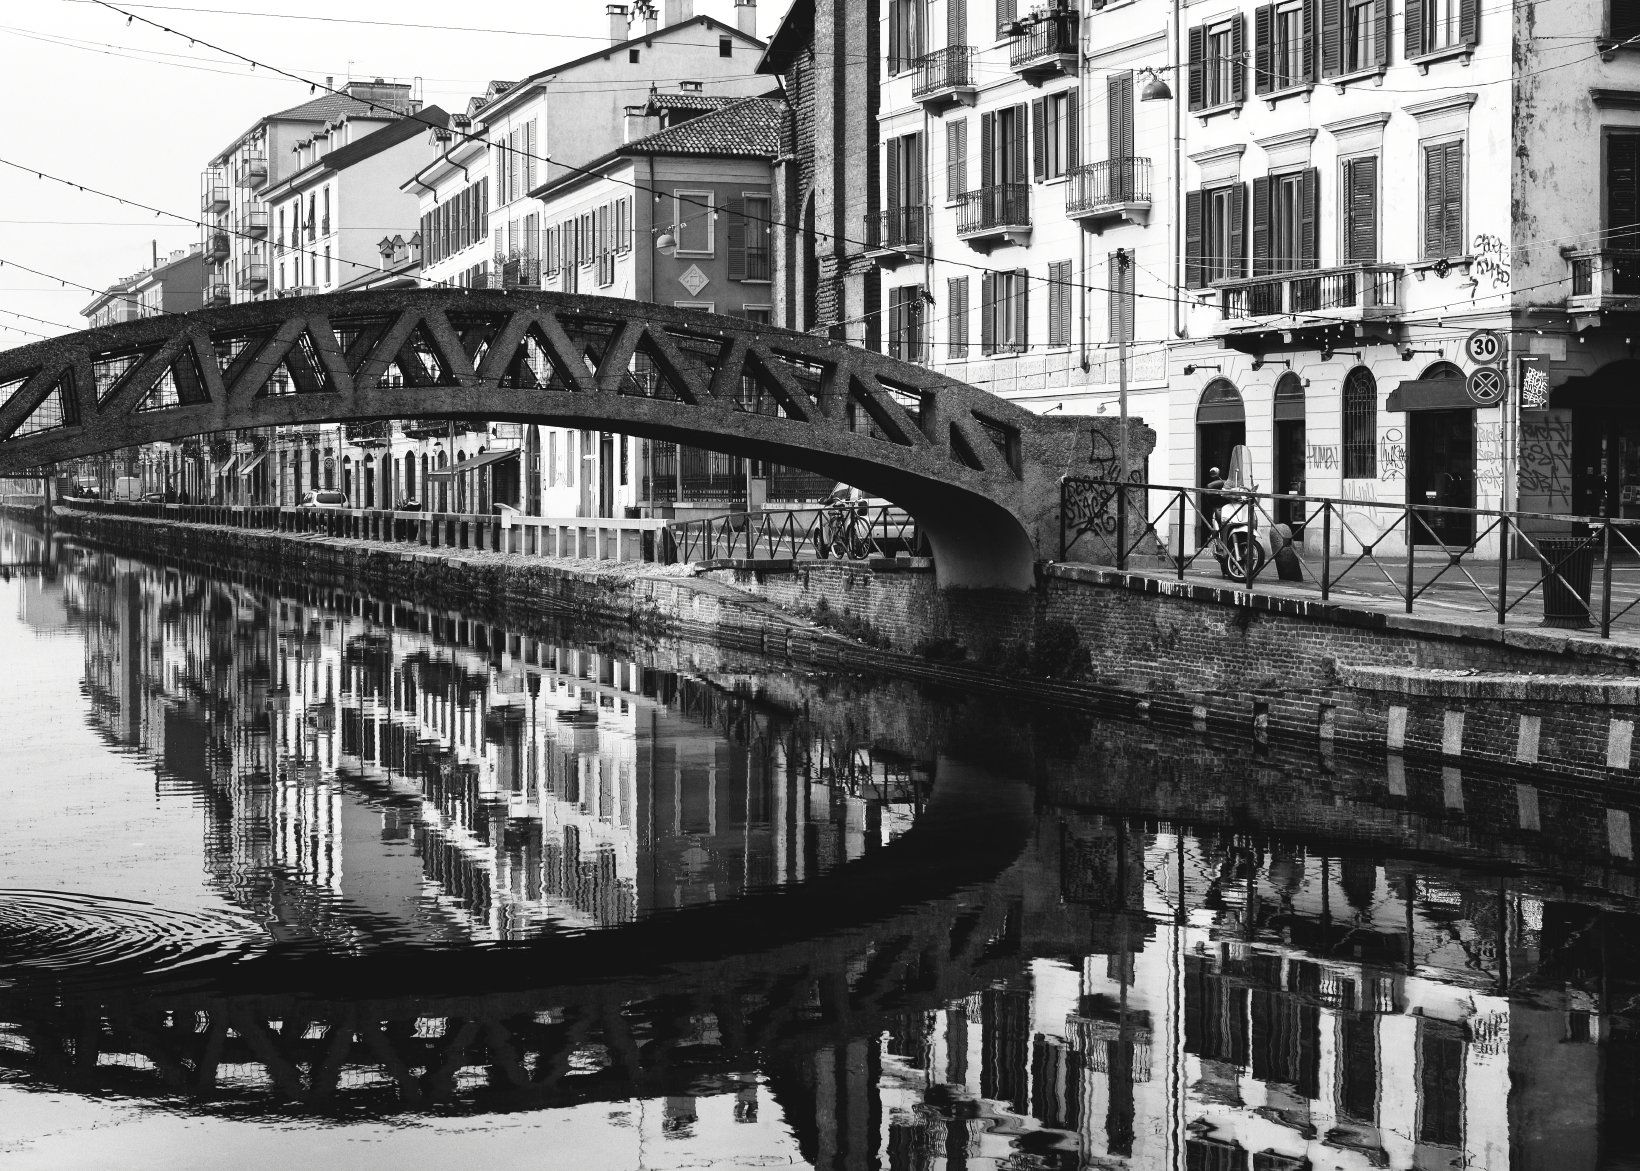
[(1545, 463)]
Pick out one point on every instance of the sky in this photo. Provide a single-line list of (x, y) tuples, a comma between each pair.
[(137, 112)]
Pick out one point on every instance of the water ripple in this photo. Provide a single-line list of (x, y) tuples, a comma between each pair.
[(60, 933)]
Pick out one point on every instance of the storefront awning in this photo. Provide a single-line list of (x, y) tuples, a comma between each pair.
[(227, 467), (439, 475), (251, 465), (1432, 394)]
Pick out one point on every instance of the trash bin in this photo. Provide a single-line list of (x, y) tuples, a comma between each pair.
[(1568, 576)]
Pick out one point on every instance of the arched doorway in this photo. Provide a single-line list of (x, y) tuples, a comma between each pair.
[(1221, 426), (1440, 456), (1289, 448), (347, 480)]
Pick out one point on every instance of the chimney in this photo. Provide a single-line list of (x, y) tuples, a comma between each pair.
[(617, 22), (746, 16), (640, 123), (650, 20), (678, 11), (690, 87)]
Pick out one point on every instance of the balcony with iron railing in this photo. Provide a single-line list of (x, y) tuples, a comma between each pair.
[(517, 270), (370, 433), (251, 171), (254, 222), (1356, 292), (437, 428), (945, 77), (1046, 47), (218, 294), (215, 198), (996, 214), (1603, 279), (896, 234), (218, 247), (1100, 193), (253, 278)]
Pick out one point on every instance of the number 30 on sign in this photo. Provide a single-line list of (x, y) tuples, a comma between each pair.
[(1484, 347)]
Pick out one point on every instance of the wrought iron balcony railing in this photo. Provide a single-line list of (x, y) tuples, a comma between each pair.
[(945, 74), (1046, 47), (1603, 279), (370, 433), (1108, 188), (217, 247), (903, 228), (218, 294), (996, 210), (1361, 292), (516, 271)]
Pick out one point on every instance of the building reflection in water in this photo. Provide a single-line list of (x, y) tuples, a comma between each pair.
[(1185, 995)]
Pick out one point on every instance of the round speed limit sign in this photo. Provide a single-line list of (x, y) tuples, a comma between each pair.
[(1484, 347)]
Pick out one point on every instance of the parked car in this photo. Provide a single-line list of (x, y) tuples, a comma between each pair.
[(323, 498)]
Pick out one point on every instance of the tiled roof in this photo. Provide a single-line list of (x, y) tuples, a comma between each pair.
[(688, 101), (324, 108), (749, 128)]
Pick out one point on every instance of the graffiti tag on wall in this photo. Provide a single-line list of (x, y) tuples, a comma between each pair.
[(1546, 463), (1492, 259), (1321, 457), (1489, 457), (1392, 455)]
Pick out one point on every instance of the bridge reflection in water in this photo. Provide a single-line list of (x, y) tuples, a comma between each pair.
[(736, 894)]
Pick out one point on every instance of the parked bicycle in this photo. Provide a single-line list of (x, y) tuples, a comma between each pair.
[(843, 531)]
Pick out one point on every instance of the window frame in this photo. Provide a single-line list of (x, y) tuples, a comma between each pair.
[(1346, 195), (679, 196), (1358, 456), (1442, 141), (1218, 72), (1215, 265)]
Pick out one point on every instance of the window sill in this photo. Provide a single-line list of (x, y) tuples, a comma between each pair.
[(1436, 56), (754, 281), (1054, 180), (1609, 49), (1343, 81), (692, 255), (1303, 90), (1231, 108)]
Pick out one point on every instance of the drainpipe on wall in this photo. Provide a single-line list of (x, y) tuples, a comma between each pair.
[(1081, 232), (1180, 89), (928, 231)]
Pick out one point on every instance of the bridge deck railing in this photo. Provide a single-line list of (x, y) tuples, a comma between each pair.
[(584, 538), (854, 531), (1439, 559)]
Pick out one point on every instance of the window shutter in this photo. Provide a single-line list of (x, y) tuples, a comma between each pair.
[(1005, 14), (1309, 214), (1622, 190), (1236, 263), (529, 157), (987, 313), (1022, 305), (987, 150), (1021, 112), (1623, 19), (1332, 37), (1380, 31), (1454, 199), (956, 158), (1469, 22), (737, 239), (1198, 54), (1039, 138), (892, 150), (1263, 19), (1193, 240), (1263, 263), (1414, 35), (1119, 107), (1307, 28), (956, 302), (956, 22), (1073, 128), (1059, 275), (1113, 297), (914, 170), (895, 47), (1238, 63), (1361, 224), (1434, 201)]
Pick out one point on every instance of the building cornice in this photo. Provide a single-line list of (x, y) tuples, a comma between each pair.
[(1616, 99), (1447, 105)]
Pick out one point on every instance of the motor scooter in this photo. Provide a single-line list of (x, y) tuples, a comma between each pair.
[(1238, 544)]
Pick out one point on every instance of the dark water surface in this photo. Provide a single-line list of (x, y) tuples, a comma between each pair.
[(308, 879)]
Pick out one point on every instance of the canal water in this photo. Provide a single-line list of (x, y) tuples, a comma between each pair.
[(298, 877)]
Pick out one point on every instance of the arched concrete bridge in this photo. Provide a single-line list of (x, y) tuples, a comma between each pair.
[(979, 473)]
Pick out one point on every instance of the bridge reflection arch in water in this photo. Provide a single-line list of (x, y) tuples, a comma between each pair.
[(684, 1003), (980, 474)]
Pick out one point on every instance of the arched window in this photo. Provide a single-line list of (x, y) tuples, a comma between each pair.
[(1220, 403), (1289, 397), (1360, 425), (1442, 370)]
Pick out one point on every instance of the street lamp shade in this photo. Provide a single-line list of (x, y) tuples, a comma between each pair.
[(1156, 90)]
